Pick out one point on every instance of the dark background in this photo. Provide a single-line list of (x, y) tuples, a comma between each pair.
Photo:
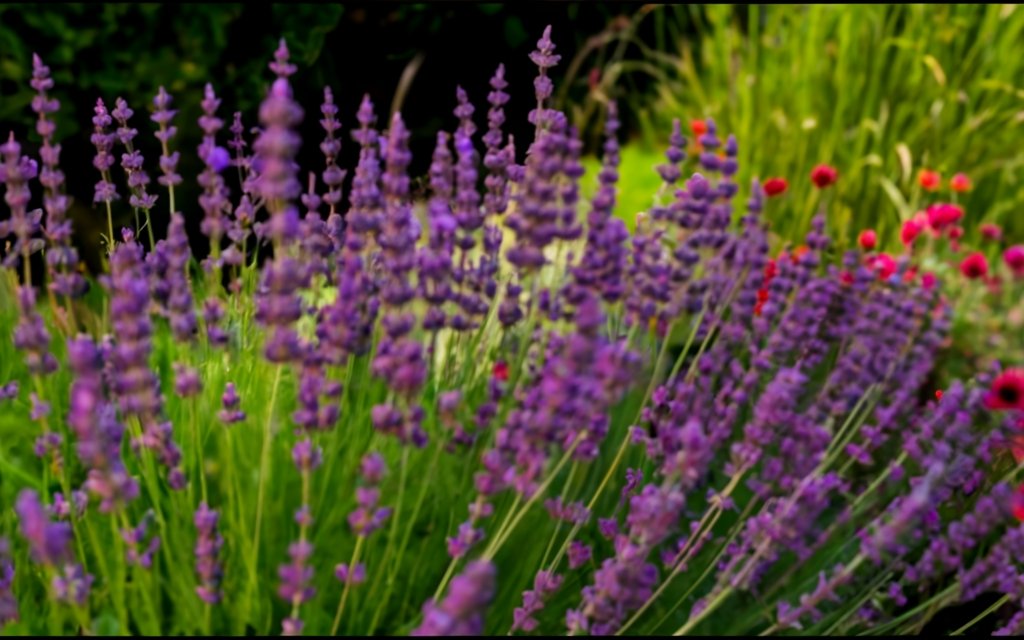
[(113, 50)]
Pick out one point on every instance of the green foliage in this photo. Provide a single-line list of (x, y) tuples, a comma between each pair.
[(878, 91)]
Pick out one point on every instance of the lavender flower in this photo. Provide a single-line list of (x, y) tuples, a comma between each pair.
[(461, 613), (8, 603), (545, 584), (97, 431), (133, 383), (135, 537), (207, 551), (17, 172), (9, 390), (31, 335), (61, 257), (103, 140), (132, 161), (230, 414), (545, 58), (214, 199), (163, 116)]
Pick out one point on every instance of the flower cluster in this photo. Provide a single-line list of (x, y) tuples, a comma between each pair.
[(686, 417)]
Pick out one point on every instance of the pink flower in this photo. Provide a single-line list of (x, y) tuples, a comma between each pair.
[(943, 215), (884, 264), (960, 183), (867, 239), (974, 266), (1007, 391), (990, 231), (911, 229), (1014, 259)]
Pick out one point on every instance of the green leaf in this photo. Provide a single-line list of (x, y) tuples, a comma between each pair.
[(896, 198), (106, 625)]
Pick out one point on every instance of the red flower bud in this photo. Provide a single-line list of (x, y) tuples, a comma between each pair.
[(823, 175), (960, 182), (867, 239), (929, 180), (974, 266), (775, 186)]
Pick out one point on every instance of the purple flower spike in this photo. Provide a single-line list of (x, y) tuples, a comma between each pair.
[(545, 584), (296, 577), (163, 117), (186, 381), (280, 64), (373, 468), (306, 455), (207, 551), (214, 200), (103, 140), (48, 541), (461, 613), (72, 585), (230, 414), (354, 576), (61, 256), (544, 57), (8, 603), (9, 391), (135, 537)]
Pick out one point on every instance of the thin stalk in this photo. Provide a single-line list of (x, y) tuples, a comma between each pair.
[(496, 543), (981, 616), (264, 469), (348, 583)]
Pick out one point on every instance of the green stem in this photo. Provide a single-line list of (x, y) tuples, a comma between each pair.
[(264, 471), (496, 543), (348, 584), (981, 616)]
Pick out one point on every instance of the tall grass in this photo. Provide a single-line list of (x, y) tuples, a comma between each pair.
[(877, 91)]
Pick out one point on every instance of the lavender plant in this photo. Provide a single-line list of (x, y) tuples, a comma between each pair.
[(493, 411)]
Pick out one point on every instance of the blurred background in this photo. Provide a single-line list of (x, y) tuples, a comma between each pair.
[(878, 91)]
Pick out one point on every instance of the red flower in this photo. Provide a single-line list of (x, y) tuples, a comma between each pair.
[(799, 252), (823, 175), (960, 182), (1014, 259), (956, 233), (929, 179), (928, 281), (770, 270), (1018, 498), (1017, 449), (911, 229), (867, 239), (1007, 391), (938, 394), (974, 266), (909, 274), (884, 264), (990, 231), (698, 127), (501, 371), (944, 215), (775, 186), (846, 277)]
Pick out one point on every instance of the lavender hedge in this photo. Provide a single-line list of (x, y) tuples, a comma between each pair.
[(493, 410)]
